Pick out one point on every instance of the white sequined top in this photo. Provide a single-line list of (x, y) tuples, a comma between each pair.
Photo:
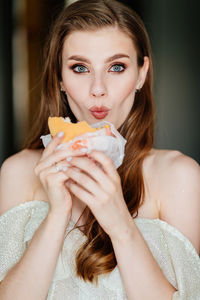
[(173, 252)]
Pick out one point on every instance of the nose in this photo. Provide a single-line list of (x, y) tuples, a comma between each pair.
[(98, 88)]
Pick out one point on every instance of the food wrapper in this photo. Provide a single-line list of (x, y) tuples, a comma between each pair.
[(112, 145)]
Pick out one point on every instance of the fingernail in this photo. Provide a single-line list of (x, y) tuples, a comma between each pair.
[(59, 147), (69, 158), (84, 150), (60, 134), (64, 168), (57, 168)]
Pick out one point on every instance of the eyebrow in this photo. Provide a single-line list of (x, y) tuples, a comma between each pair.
[(83, 59)]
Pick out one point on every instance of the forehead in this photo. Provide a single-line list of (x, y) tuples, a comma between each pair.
[(102, 42)]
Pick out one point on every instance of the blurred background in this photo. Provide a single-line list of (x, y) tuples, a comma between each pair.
[(174, 30)]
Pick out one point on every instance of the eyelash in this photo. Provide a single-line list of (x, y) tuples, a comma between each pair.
[(116, 64)]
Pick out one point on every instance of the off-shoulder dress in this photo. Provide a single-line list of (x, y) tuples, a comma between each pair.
[(173, 252)]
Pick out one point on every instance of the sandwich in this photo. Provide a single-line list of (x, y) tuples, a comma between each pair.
[(102, 136), (73, 130)]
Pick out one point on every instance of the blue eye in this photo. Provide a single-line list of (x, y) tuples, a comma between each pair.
[(79, 69), (118, 68)]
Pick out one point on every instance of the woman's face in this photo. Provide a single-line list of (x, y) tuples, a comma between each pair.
[(100, 75)]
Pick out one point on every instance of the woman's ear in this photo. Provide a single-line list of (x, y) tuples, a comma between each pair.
[(143, 73)]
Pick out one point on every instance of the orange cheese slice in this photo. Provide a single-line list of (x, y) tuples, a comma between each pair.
[(71, 130)]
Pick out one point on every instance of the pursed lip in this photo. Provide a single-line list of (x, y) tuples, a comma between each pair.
[(99, 109)]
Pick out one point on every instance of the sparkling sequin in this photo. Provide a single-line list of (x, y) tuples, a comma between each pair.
[(173, 252)]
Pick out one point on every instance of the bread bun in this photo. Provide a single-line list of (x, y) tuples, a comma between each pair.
[(71, 130)]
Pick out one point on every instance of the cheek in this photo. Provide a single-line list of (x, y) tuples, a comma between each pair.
[(124, 88), (75, 89)]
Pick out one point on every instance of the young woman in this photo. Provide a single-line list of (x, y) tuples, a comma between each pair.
[(136, 230)]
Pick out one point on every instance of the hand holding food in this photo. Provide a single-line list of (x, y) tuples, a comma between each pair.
[(100, 136), (50, 169)]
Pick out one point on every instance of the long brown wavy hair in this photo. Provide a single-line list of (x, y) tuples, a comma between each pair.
[(96, 256)]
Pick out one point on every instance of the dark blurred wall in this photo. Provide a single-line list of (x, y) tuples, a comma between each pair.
[(39, 17), (174, 29), (175, 32), (6, 118)]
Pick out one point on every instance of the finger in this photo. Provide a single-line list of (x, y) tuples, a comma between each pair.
[(80, 193), (53, 144), (54, 183), (56, 179), (106, 163), (55, 158), (94, 171), (84, 180), (61, 166), (53, 170)]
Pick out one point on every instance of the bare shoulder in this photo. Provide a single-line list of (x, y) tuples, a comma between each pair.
[(174, 161), (178, 183), (168, 167), (174, 170), (17, 178)]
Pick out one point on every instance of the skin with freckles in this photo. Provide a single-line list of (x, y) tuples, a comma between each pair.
[(99, 68)]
